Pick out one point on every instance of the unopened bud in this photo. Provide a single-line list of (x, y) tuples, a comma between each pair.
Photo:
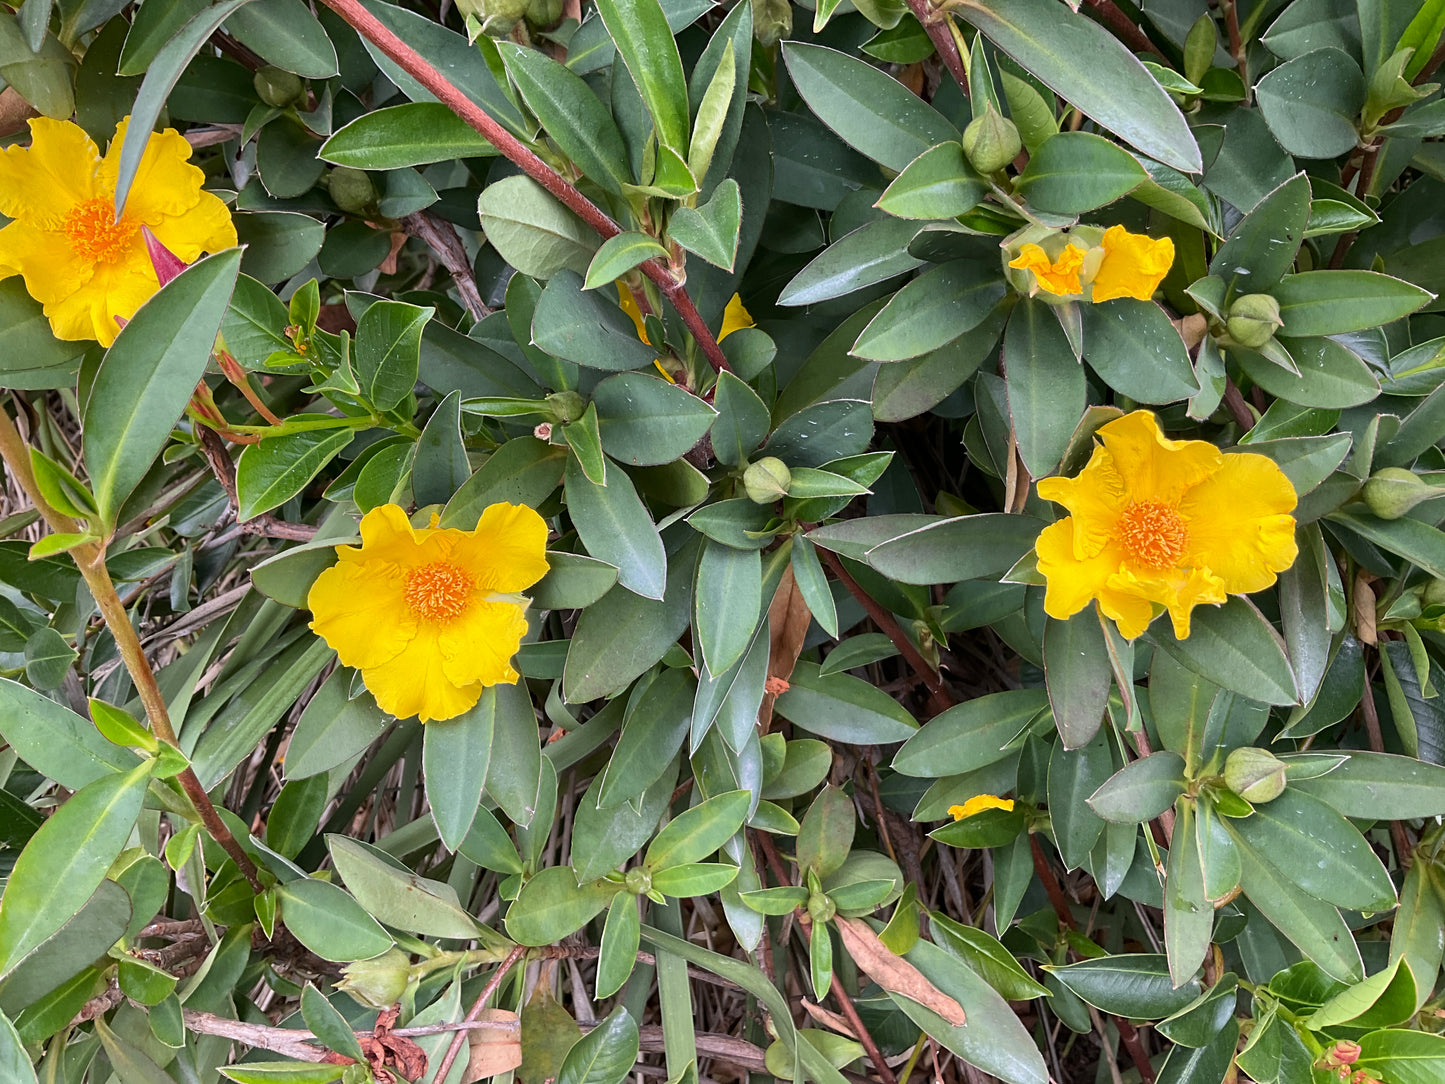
[(1393, 491), (767, 480), (568, 405), (278, 87), (544, 13), (821, 908), (378, 982), (1256, 775), (638, 881), (1434, 594), (352, 190), (1253, 319), (991, 141), (496, 15), (772, 21)]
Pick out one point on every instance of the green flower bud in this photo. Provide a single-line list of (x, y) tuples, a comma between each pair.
[(767, 480), (568, 405), (1253, 319), (498, 16), (638, 881), (1393, 491), (352, 190), (378, 982), (1434, 594), (277, 87), (544, 13), (821, 908), (1256, 775), (772, 21), (991, 141)]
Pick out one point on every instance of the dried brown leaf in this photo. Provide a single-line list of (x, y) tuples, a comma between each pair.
[(788, 620), (894, 973), (494, 1050)]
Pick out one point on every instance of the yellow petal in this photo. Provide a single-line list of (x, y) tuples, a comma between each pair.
[(388, 536), (1072, 582), (735, 318), (1239, 523), (43, 182), (1178, 592), (52, 271), (206, 227), (1134, 265), (507, 551), (1153, 467), (978, 803), (359, 608), (415, 682), (1096, 498), (477, 647), (1059, 277), (166, 185), (629, 306)]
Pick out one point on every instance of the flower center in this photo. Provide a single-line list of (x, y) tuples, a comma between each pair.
[(95, 234), (439, 591), (1153, 533)]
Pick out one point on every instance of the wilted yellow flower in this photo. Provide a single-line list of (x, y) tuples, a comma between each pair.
[(735, 318), (1172, 522), (1134, 265), (978, 803), (431, 616), (1058, 277), (83, 266)]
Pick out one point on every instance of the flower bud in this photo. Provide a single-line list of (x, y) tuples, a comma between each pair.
[(378, 982), (1253, 319), (1434, 594), (352, 190), (544, 13), (821, 908), (1256, 775), (498, 16), (767, 480), (1393, 491), (772, 21), (568, 405), (277, 87), (991, 141), (638, 881)]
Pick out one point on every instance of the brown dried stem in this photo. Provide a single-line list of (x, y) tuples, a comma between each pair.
[(476, 1010), (518, 153), (90, 559), (441, 237)]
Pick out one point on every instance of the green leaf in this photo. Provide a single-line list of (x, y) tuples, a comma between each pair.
[(1132, 985), (55, 741), (1074, 774), (148, 375), (1188, 914), (939, 183), (605, 1054), (398, 136), (1078, 677), (14, 1062), (161, 75), (573, 582), (1234, 647), (696, 879), (295, 815), (66, 859), (1074, 172), (1141, 790), (1315, 927), (328, 1025), (826, 834), (715, 108), (615, 527), (987, 956), (1046, 385), (574, 117), (712, 230), (395, 895), (553, 905), (647, 421), (274, 470), (388, 349), (843, 708), (520, 471), (455, 755), (619, 255), (698, 832), (1311, 103), (653, 730), (1136, 351), (1380, 786), (285, 33), (329, 921), (1402, 1056), (982, 546), (532, 231), (1419, 543), (1334, 302), (870, 110), (726, 603), (1329, 376), (646, 45), (969, 735), (931, 311), (871, 254), (1090, 68), (282, 1072), (583, 327), (516, 774)]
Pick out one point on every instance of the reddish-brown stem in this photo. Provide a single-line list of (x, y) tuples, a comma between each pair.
[(519, 154), (939, 697), (1237, 406), (476, 1010), (1362, 185), (850, 1014), (935, 22), (1404, 850), (1236, 43), (1124, 28)]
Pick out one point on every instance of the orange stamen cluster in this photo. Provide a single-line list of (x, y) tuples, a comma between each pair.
[(94, 232), (439, 591), (1153, 533)]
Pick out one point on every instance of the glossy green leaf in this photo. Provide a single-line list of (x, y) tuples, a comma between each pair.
[(1076, 172), (455, 755), (931, 311), (939, 183), (969, 735), (1136, 351), (1141, 790), (397, 896), (1333, 302), (1234, 647), (552, 905), (329, 921), (615, 527), (1134, 985), (645, 44), (647, 421), (398, 136), (843, 708), (1311, 103)]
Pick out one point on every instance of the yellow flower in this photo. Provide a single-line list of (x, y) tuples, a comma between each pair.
[(82, 265), (978, 803), (1173, 522), (1058, 277), (735, 318), (1133, 266), (431, 616)]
